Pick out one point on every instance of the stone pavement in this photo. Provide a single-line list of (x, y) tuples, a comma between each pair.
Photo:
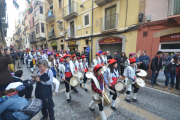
[(153, 105)]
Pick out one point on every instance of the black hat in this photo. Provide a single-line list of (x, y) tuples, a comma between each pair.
[(175, 58), (117, 51), (159, 52)]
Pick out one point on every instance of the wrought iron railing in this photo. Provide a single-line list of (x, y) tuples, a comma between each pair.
[(52, 34), (71, 8), (50, 14), (109, 22), (173, 7)]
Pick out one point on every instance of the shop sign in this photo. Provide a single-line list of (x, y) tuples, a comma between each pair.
[(72, 43), (172, 37), (110, 41), (54, 44)]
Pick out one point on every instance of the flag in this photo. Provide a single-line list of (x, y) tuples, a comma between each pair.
[(15, 4)]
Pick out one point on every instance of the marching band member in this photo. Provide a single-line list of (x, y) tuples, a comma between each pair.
[(30, 60), (26, 57), (75, 62), (111, 76), (56, 57), (61, 68), (105, 57), (80, 66), (52, 63), (39, 54), (130, 78), (85, 70), (45, 56), (127, 63), (68, 72), (97, 89), (96, 60), (102, 61)]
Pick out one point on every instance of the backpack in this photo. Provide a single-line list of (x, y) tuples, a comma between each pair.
[(34, 106), (144, 65)]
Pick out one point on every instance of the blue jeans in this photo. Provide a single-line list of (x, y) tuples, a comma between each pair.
[(168, 76), (154, 77)]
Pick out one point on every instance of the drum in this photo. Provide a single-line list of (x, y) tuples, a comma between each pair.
[(89, 74), (120, 87), (79, 75), (74, 81), (139, 83), (142, 74), (107, 101)]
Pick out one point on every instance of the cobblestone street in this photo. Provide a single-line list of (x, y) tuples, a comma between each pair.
[(152, 105)]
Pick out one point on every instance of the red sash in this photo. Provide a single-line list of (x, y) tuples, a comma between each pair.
[(75, 68), (68, 74), (102, 64), (85, 70), (114, 80)]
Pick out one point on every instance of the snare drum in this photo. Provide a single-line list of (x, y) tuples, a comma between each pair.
[(79, 75), (142, 74), (89, 74), (120, 87), (139, 83), (74, 81)]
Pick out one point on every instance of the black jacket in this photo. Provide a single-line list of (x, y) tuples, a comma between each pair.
[(109, 57), (118, 58), (154, 64), (25, 82), (171, 68)]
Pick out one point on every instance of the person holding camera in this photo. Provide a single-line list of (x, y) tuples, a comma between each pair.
[(5, 75)]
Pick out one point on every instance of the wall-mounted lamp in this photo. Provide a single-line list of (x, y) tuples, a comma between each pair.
[(81, 6)]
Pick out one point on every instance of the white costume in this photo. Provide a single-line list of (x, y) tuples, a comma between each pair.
[(96, 61)]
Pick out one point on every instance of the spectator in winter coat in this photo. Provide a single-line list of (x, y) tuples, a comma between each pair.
[(108, 55), (117, 58), (122, 62), (170, 72), (177, 77), (156, 66), (5, 75), (29, 86), (144, 61)]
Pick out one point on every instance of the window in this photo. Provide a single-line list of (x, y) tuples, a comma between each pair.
[(42, 27), (110, 18), (41, 9), (87, 42), (86, 20), (60, 4), (37, 28), (170, 46), (33, 21), (62, 41), (36, 12), (61, 25)]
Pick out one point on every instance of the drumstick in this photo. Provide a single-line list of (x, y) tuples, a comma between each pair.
[(111, 90)]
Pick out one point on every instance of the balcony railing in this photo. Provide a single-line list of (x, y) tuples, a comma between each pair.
[(174, 7), (70, 11), (110, 23), (102, 2), (71, 32), (52, 34), (32, 38), (50, 16)]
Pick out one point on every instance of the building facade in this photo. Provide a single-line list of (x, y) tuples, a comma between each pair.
[(160, 28)]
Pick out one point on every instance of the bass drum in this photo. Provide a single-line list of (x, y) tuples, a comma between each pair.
[(139, 83), (142, 74), (79, 75), (120, 87)]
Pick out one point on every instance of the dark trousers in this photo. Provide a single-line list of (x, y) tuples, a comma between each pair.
[(154, 77), (122, 70), (22, 60), (26, 61), (118, 67), (27, 92), (7, 115), (114, 95), (100, 107), (3, 87), (135, 89), (85, 78), (45, 112), (168, 76), (177, 81), (67, 84), (31, 64)]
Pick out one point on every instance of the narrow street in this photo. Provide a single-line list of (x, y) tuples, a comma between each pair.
[(152, 105)]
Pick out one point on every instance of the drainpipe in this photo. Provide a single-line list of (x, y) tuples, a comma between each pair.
[(126, 13), (92, 35)]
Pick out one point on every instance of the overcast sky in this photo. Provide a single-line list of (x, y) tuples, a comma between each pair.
[(13, 14)]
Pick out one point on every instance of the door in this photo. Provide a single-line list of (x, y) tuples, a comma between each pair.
[(70, 7), (72, 29), (111, 48), (110, 18)]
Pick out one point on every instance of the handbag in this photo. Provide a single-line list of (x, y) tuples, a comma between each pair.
[(34, 106)]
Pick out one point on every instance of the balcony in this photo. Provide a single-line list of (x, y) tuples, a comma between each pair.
[(70, 11), (52, 35), (32, 38), (174, 10), (71, 33), (50, 16), (102, 2), (109, 23), (2, 8)]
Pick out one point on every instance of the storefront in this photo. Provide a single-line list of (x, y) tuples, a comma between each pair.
[(111, 44), (72, 45)]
